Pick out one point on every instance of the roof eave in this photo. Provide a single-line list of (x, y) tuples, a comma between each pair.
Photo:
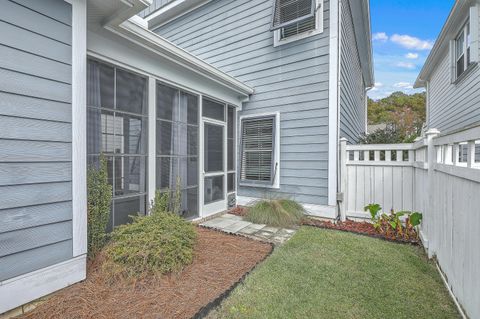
[(125, 22), (363, 33)]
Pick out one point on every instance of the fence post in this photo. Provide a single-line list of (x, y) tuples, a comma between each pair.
[(429, 208), (343, 179)]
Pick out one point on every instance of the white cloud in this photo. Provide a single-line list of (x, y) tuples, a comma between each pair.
[(380, 36), (411, 56), (411, 43), (378, 84), (403, 85), (406, 65)]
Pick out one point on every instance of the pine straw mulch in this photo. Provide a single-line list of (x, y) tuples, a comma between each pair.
[(362, 228), (220, 261), (238, 211)]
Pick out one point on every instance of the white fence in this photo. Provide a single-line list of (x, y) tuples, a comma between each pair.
[(438, 176)]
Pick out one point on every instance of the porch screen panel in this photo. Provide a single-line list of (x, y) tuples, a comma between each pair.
[(177, 145), (231, 133), (258, 150), (117, 128)]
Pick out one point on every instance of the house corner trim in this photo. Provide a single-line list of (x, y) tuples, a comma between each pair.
[(333, 100)]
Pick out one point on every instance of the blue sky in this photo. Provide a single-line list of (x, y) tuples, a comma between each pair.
[(403, 34)]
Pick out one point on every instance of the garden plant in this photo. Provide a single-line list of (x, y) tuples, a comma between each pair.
[(276, 212)]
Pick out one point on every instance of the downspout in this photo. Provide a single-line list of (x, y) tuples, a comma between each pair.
[(339, 88)]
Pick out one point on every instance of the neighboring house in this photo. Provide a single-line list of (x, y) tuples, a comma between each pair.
[(451, 74), (86, 77)]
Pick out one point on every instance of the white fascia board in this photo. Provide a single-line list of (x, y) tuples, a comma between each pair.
[(449, 30)]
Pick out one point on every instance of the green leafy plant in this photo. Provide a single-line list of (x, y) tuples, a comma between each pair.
[(276, 212), (415, 219), (168, 201), (161, 203), (99, 201), (391, 225), (177, 201), (373, 209), (160, 243)]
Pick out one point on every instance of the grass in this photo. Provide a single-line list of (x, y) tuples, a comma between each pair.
[(276, 212), (331, 274)]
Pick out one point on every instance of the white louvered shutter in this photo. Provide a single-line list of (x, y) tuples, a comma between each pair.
[(258, 136), (287, 12)]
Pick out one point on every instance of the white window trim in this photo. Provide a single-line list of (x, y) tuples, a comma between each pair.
[(276, 155), (473, 20), (463, 30), (278, 41)]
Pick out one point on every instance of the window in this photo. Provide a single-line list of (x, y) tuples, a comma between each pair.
[(462, 50), (177, 145), (259, 164), (117, 128), (291, 21)]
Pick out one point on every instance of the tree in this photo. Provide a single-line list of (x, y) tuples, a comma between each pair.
[(404, 115)]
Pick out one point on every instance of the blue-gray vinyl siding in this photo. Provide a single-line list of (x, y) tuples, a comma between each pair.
[(453, 106), (35, 139), (352, 89), (234, 36)]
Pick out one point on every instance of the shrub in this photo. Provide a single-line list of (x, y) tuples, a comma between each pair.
[(99, 201), (276, 212), (168, 201), (157, 244), (388, 135)]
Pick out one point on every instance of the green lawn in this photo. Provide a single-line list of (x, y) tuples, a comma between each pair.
[(330, 274)]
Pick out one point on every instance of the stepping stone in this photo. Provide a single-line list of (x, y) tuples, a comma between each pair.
[(224, 223), (236, 226), (249, 230), (258, 226), (230, 216), (270, 229)]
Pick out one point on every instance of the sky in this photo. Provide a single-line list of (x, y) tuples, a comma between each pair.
[(404, 32)]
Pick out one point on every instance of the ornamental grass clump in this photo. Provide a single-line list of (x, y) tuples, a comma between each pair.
[(157, 244), (276, 213)]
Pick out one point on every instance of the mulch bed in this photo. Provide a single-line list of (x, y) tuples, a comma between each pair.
[(220, 261), (238, 211), (362, 228)]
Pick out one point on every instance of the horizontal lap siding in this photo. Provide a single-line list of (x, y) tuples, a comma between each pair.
[(352, 92), (156, 4), (234, 36), (453, 106), (35, 140)]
